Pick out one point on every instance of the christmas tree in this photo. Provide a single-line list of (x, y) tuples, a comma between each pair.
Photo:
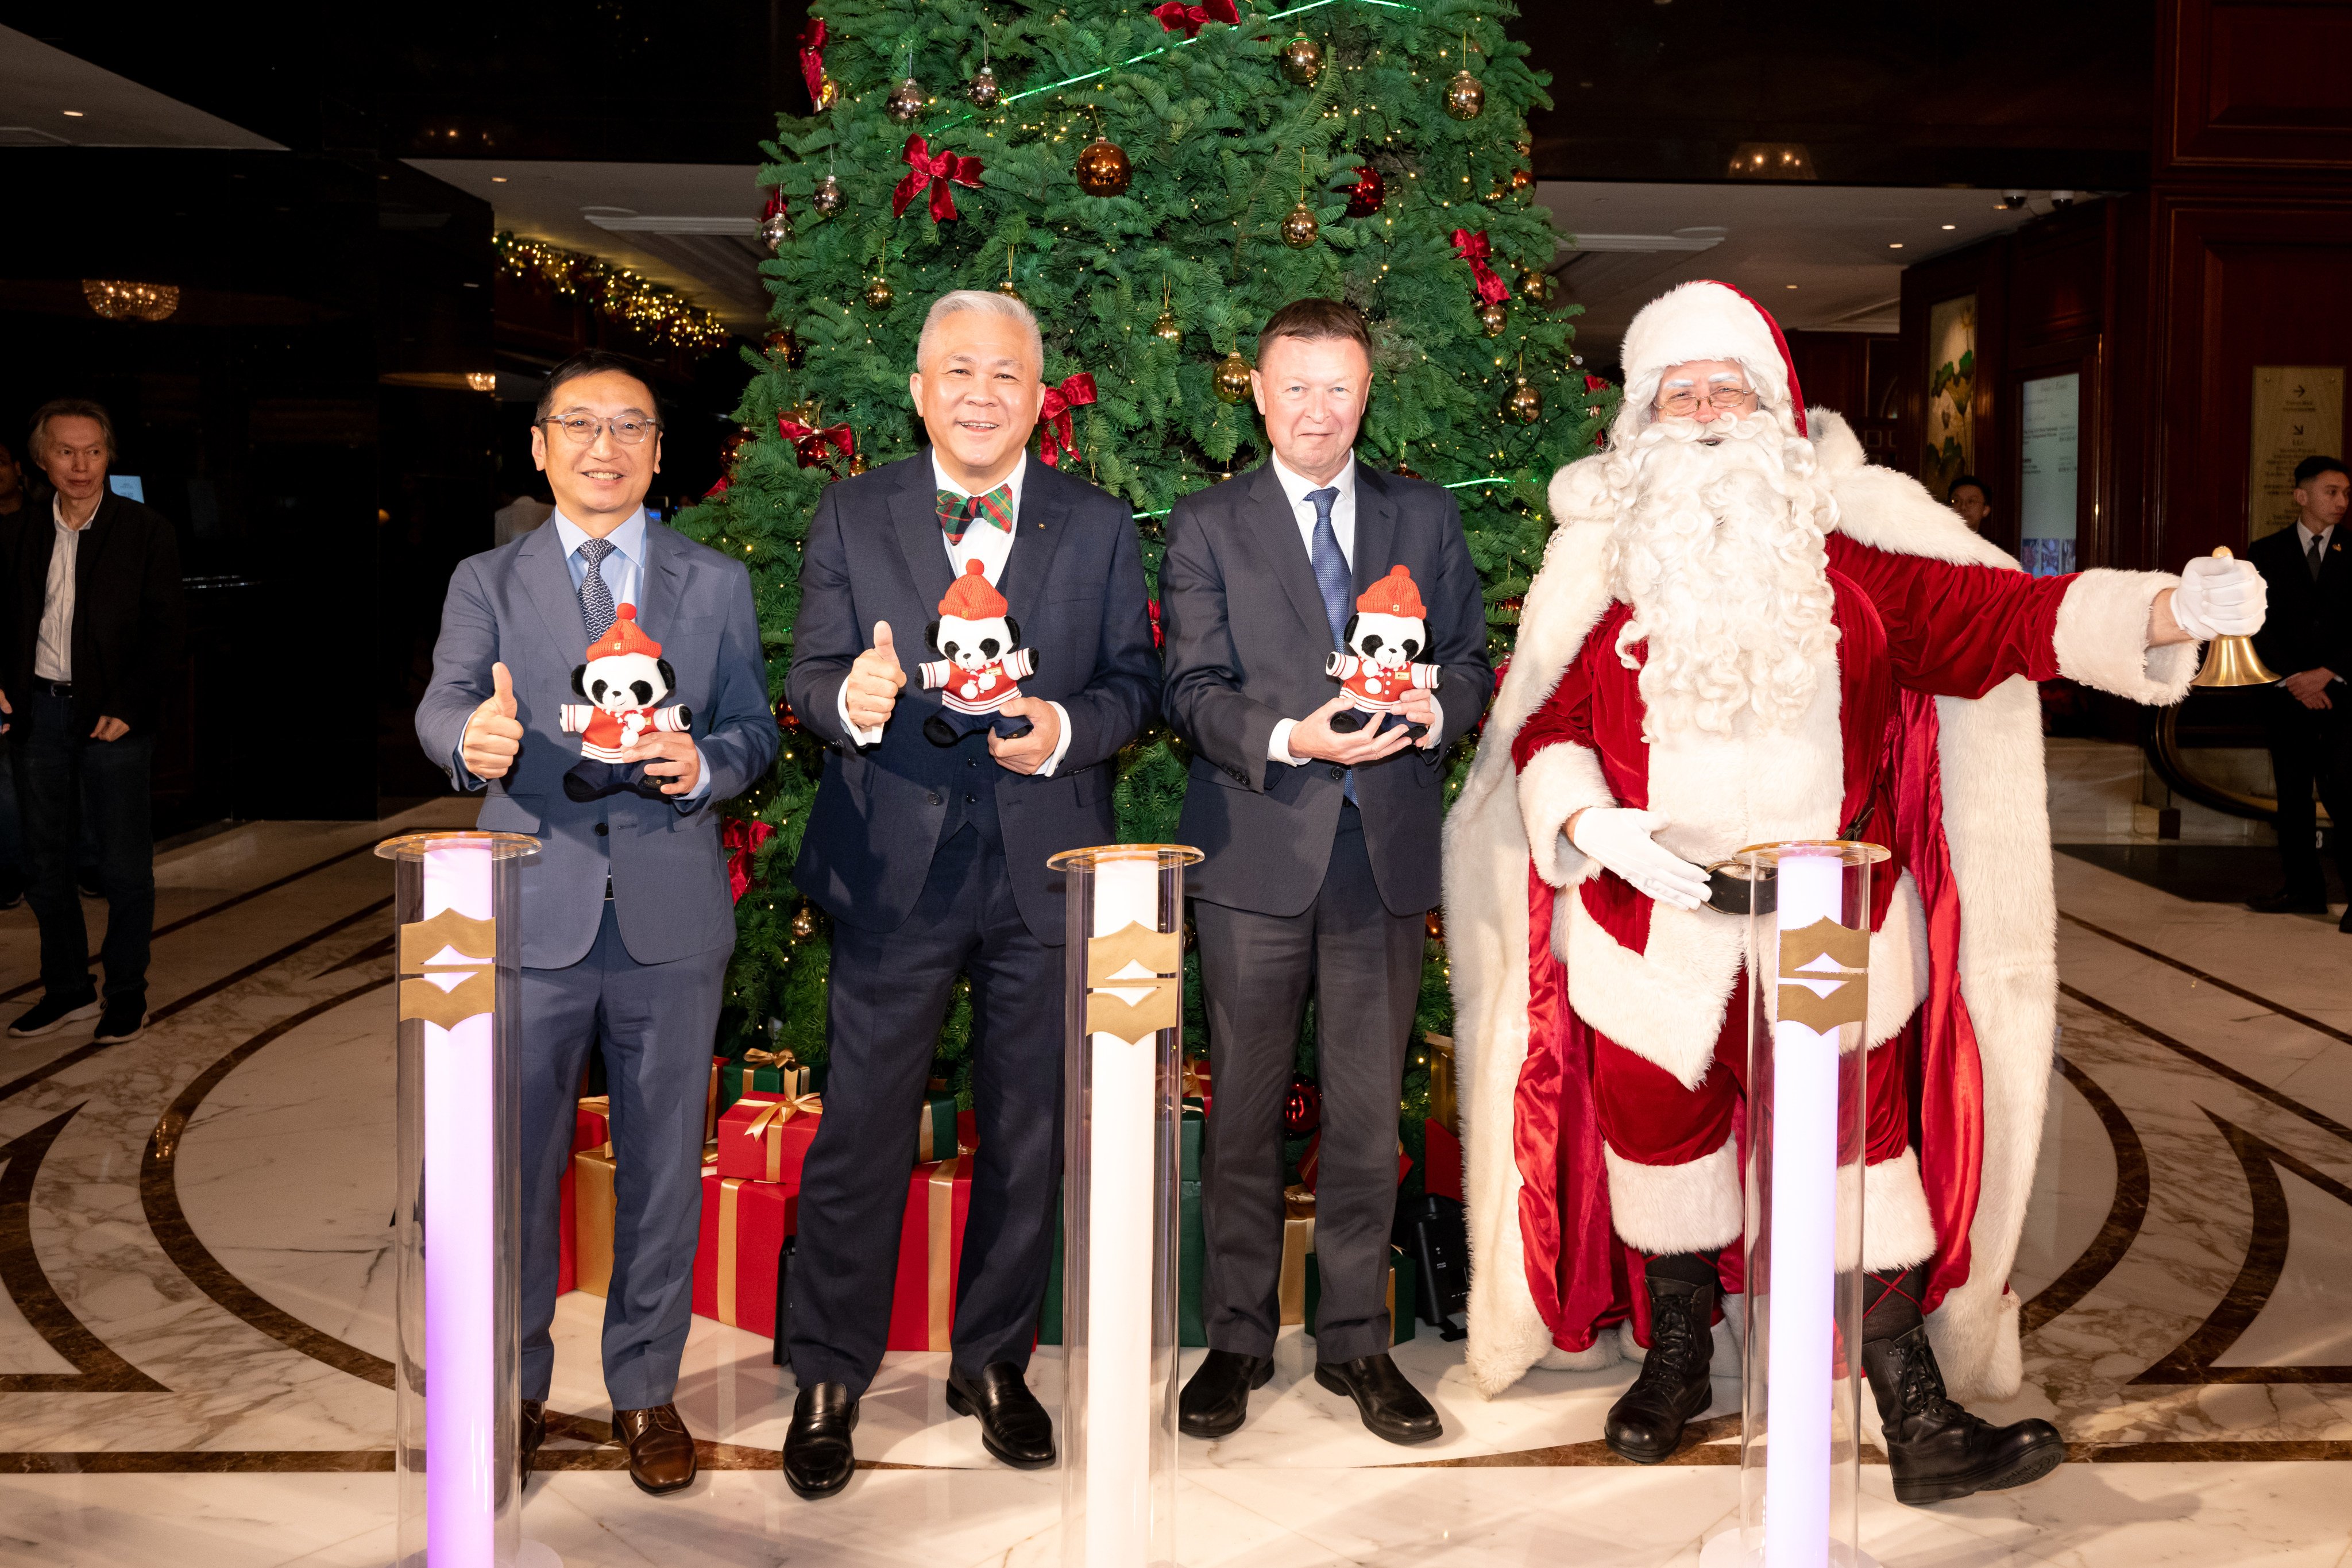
[(1154, 181)]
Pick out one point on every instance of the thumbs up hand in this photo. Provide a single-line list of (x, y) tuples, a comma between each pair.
[(872, 690), (493, 736)]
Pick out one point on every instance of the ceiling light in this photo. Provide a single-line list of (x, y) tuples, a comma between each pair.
[(502, 179), (1951, 225), (73, 114), (1894, 244), (482, 380), (121, 301), (1792, 285), (1772, 161)]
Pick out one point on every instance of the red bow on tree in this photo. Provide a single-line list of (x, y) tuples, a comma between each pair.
[(925, 167), (813, 58), (718, 489), (1472, 249), (1159, 636), (1177, 16), (741, 840), (811, 443), (1596, 383), (1054, 440)]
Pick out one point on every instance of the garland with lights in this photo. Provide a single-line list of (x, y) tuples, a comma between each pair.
[(659, 313), (1154, 181)]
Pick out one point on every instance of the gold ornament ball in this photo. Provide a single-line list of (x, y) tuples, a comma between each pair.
[(1232, 378), (1536, 286), (1009, 292), (905, 102), (857, 464), (982, 90), (1525, 147), (1521, 179), (829, 198), (1492, 317), (808, 411), (1403, 472), (879, 293), (1103, 168), (804, 924), (776, 228), (1302, 60), (1466, 96), (1525, 405), (1299, 228), (1167, 329)]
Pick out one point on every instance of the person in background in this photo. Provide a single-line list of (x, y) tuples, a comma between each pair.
[(1968, 496), (95, 616), (2308, 640), (13, 499)]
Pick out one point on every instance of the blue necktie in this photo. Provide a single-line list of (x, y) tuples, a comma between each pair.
[(595, 598), (1331, 577)]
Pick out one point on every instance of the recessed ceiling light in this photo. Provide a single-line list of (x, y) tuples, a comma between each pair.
[(498, 179), (73, 114), (1951, 225), (1792, 285), (1896, 244)]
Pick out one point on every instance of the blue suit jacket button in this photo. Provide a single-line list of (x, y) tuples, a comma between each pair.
[(1338, 772), (602, 830), (933, 797)]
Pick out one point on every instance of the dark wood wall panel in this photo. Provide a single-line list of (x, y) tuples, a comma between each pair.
[(2254, 84)]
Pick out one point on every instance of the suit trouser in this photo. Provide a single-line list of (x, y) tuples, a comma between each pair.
[(887, 993), (654, 1022), (68, 784), (1365, 966), (2311, 748)]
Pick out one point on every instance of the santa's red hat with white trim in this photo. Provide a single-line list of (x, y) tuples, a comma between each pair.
[(1705, 319)]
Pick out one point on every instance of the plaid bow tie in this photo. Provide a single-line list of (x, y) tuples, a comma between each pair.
[(959, 512)]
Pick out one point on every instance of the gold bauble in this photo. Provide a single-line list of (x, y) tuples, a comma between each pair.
[(1299, 228), (906, 102), (1466, 96), (982, 90), (776, 228), (804, 924), (1404, 473), (1492, 317), (1525, 405), (1536, 286), (1102, 168), (1521, 179), (830, 198), (828, 93), (1232, 378), (1168, 329), (857, 464), (785, 344), (1302, 60), (807, 411), (1525, 147), (1009, 292), (879, 293)]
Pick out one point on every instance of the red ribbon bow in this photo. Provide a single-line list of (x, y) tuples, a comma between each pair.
[(1054, 440), (741, 840), (1596, 383), (925, 167), (1158, 635), (811, 443), (1177, 16), (813, 58), (1472, 249)]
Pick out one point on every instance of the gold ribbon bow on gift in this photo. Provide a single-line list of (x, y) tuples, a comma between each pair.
[(760, 1059), (776, 1113)]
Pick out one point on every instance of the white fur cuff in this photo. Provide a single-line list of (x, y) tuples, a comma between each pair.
[(1557, 783), (2101, 638), (1896, 1231), (1691, 1207)]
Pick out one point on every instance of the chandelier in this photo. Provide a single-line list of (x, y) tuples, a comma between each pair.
[(120, 301)]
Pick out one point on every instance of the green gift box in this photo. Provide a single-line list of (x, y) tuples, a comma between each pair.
[(1191, 1249), (760, 1072), (1402, 1280), (936, 1136)]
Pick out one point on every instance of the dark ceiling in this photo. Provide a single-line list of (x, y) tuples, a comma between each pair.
[(2026, 93)]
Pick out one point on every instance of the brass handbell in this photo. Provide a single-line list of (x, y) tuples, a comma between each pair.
[(2232, 661)]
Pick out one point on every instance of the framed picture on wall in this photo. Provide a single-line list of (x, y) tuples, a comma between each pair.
[(1949, 442)]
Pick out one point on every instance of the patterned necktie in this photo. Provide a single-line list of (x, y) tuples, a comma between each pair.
[(2312, 558), (960, 512), (595, 598), (1331, 577)]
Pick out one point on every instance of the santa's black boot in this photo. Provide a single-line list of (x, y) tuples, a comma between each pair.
[(1645, 1424), (1936, 1449)]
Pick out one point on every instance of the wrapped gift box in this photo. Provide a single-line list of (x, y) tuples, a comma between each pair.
[(1440, 1161), (1298, 1253), (937, 1136), (762, 1072), (744, 1225), (1445, 1104), (591, 1128), (930, 1248), (592, 1184), (1191, 1249), (764, 1138), (1402, 1288)]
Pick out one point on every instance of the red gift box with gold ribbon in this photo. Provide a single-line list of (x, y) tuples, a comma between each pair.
[(930, 1249), (744, 1225), (765, 1137), (591, 1129)]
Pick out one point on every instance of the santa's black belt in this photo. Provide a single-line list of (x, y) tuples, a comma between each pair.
[(1731, 892)]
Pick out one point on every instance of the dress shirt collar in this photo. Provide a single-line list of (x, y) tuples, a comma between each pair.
[(2309, 538), (1012, 481), (629, 539), (58, 512), (1298, 485)]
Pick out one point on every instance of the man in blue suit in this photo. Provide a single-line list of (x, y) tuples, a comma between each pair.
[(626, 918), (927, 847)]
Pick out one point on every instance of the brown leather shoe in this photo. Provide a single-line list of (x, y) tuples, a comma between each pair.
[(533, 1433), (661, 1454)]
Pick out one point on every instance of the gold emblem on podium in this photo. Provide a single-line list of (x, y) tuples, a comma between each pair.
[(1825, 952), (449, 945), (1161, 1004)]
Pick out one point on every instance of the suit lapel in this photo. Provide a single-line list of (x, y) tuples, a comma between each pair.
[(661, 585), (1376, 522), (915, 515), (1038, 534), (548, 581), (1274, 528)]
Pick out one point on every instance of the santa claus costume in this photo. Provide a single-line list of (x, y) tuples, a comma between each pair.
[(1742, 633)]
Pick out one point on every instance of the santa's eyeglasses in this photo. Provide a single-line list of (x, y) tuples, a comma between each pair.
[(1723, 399)]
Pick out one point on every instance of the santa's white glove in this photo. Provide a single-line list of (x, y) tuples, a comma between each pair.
[(1619, 837), (2219, 598)]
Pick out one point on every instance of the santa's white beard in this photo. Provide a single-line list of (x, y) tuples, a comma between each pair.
[(1718, 547)]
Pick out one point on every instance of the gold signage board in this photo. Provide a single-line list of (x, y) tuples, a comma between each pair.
[(2298, 411)]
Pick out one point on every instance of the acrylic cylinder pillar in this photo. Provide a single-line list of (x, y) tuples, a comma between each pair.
[(457, 1258), (1800, 1374), (1126, 1015)]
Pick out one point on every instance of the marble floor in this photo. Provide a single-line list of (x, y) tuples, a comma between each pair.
[(194, 1292)]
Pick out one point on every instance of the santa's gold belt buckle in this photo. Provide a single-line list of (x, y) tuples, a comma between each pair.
[(1731, 890)]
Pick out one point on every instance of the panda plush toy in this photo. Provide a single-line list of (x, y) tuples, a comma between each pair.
[(623, 680), (1389, 628), (981, 665)]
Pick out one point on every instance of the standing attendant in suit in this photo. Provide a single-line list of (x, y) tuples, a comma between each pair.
[(1322, 845), (927, 847), (626, 918), (2308, 639)]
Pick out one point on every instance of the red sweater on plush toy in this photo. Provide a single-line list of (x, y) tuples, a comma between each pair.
[(1389, 627), (623, 680), (982, 668)]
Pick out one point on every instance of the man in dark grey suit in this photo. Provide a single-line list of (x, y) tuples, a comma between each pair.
[(626, 918), (1321, 840), (928, 849)]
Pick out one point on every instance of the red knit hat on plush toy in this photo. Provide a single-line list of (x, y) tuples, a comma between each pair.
[(623, 637), (1393, 594), (972, 599)]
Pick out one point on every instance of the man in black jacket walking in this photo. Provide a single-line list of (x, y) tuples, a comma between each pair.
[(2308, 640), (90, 589)]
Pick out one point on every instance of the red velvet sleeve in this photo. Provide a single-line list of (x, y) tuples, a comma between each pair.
[(1566, 715), (1956, 630)]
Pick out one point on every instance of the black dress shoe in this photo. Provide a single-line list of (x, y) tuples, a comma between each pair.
[(818, 1459), (50, 1013), (1215, 1401), (533, 1433), (2289, 903), (1013, 1425), (1645, 1424), (1937, 1450), (1393, 1408)]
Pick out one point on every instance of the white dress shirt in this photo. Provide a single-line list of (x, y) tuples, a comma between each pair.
[(1297, 487), (991, 546), (2302, 531), (53, 650)]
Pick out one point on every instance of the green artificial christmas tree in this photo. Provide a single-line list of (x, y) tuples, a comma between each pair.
[(1154, 181)]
